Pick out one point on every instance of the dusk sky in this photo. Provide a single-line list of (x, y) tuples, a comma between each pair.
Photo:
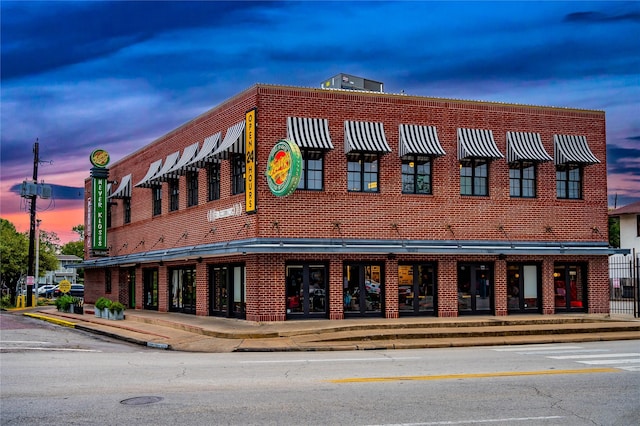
[(117, 75)]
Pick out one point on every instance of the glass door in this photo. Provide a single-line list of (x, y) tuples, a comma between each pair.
[(417, 288), (363, 288), (306, 290), (131, 279), (150, 288), (523, 288), (569, 282), (227, 290), (182, 297), (475, 288), (218, 297)]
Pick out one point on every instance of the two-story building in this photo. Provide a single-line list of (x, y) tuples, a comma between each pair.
[(291, 202)]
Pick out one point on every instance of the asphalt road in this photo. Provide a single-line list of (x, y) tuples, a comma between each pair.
[(55, 376)]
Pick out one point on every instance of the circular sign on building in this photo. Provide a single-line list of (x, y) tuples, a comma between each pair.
[(64, 286), (284, 168), (99, 158)]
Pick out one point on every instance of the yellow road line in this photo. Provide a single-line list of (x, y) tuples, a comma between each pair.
[(474, 375)]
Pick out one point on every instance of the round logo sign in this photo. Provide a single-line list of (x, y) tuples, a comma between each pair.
[(64, 286), (99, 158), (284, 168)]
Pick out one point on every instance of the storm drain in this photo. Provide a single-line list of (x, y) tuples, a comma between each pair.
[(141, 400)]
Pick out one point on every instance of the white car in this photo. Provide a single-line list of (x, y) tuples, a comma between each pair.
[(46, 289)]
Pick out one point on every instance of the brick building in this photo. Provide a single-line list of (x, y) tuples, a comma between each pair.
[(406, 205)]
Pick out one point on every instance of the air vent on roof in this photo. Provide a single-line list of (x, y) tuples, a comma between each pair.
[(350, 82)]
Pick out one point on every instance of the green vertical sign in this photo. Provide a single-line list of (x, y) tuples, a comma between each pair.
[(99, 174), (99, 214)]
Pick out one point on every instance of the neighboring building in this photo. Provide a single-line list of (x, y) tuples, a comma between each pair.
[(629, 226), (406, 205), (66, 270), (623, 268)]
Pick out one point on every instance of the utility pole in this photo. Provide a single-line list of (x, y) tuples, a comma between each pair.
[(32, 224)]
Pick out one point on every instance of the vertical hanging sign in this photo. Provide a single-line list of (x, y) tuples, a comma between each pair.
[(99, 174), (250, 169)]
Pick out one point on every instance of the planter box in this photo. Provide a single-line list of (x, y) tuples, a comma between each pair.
[(116, 315)]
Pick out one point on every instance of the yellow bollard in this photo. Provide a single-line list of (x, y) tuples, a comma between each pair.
[(21, 301)]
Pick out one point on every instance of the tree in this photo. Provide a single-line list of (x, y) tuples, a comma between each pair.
[(79, 229), (14, 252), (614, 232), (75, 248)]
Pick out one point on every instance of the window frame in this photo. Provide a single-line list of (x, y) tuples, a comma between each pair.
[(414, 176), (311, 155), (213, 181), (126, 210), (360, 159), (564, 183), (475, 163), (192, 188), (156, 200), (519, 181), (174, 194), (238, 170)]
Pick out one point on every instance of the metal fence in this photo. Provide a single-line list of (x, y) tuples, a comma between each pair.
[(624, 273)]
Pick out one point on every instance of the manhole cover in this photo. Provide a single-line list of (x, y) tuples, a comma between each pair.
[(141, 400)]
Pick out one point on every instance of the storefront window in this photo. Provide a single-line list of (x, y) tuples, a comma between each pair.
[(523, 285), (306, 290), (227, 291), (182, 288), (150, 289), (417, 288), (570, 287), (363, 288), (475, 288)]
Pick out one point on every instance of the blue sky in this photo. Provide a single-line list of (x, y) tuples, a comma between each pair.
[(117, 75)]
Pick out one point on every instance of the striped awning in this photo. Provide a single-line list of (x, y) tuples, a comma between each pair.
[(524, 146), (124, 190), (477, 143), (364, 136), (154, 168), (310, 133), (419, 140), (161, 176), (181, 166), (572, 149), (232, 143), (205, 155)]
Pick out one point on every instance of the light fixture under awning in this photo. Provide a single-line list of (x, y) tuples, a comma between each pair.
[(364, 136), (477, 143), (124, 190), (154, 168), (572, 149), (419, 140), (310, 133), (180, 168), (232, 142), (525, 146)]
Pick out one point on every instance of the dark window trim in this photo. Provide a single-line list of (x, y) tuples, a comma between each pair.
[(174, 195), (566, 180), (156, 196), (307, 155), (213, 181), (475, 162), (521, 166), (415, 159), (238, 170), (360, 157), (192, 189)]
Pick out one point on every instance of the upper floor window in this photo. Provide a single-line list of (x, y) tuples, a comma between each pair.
[(569, 181), (312, 177), (416, 175), (174, 194), (238, 167), (474, 176), (192, 189), (156, 192), (126, 206), (522, 179), (213, 181), (362, 172)]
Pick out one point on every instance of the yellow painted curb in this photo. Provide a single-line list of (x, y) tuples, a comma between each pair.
[(52, 320)]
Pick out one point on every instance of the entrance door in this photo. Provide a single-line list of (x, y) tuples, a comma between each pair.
[(307, 290), (523, 288), (131, 279), (570, 286), (227, 291), (182, 297), (475, 288), (150, 288), (363, 289), (417, 289)]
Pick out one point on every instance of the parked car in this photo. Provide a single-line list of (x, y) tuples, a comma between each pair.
[(77, 290), (46, 290)]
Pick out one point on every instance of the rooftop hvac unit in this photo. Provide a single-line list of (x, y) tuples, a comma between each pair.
[(350, 82)]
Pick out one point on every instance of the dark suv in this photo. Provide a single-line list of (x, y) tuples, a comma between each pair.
[(77, 290)]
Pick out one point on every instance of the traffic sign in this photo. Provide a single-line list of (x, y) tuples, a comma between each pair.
[(64, 286)]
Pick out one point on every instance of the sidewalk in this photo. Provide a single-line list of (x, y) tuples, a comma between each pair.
[(192, 333)]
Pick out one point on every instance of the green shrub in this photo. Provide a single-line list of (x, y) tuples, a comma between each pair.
[(103, 303), (64, 302), (5, 302), (116, 307)]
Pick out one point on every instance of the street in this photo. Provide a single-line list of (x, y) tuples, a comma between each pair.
[(53, 375)]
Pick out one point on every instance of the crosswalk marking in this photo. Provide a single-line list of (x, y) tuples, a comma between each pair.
[(629, 361)]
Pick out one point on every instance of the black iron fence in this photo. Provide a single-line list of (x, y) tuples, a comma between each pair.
[(624, 273)]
